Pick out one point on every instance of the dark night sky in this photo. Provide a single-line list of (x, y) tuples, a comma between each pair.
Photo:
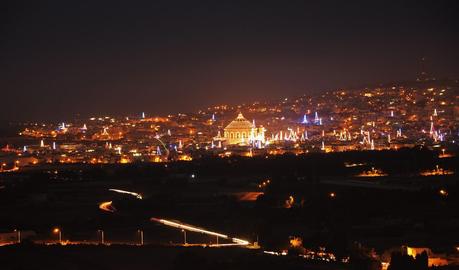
[(61, 58)]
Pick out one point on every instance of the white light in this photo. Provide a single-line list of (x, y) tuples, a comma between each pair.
[(137, 195)]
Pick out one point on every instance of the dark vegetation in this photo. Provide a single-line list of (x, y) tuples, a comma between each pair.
[(400, 209)]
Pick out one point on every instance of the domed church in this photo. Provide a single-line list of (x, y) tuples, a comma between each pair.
[(242, 132)]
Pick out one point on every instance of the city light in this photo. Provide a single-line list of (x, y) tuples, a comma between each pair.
[(296, 134), (443, 193), (58, 231), (179, 137)]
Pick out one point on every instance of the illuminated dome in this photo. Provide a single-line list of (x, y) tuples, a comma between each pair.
[(239, 131), (239, 123)]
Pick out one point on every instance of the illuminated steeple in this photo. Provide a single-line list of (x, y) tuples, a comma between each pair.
[(432, 128), (305, 119)]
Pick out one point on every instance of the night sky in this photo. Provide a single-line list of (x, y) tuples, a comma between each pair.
[(63, 58)]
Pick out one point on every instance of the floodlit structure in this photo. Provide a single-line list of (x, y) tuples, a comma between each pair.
[(243, 132)]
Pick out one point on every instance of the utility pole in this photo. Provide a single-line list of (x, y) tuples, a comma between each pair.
[(141, 237), (102, 237), (18, 235), (184, 237)]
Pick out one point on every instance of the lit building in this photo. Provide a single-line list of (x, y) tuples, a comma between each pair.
[(242, 132)]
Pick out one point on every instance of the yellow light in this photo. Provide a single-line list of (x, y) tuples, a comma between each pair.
[(289, 202), (107, 206), (185, 158), (443, 192), (56, 230), (125, 160), (296, 242)]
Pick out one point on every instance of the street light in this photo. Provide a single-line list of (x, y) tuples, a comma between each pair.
[(184, 237), (443, 192), (102, 236), (18, 235), (141, 236), (59, 232)]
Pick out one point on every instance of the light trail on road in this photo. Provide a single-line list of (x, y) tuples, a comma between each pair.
[(137, 195), (107, 206), (236, 241)]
